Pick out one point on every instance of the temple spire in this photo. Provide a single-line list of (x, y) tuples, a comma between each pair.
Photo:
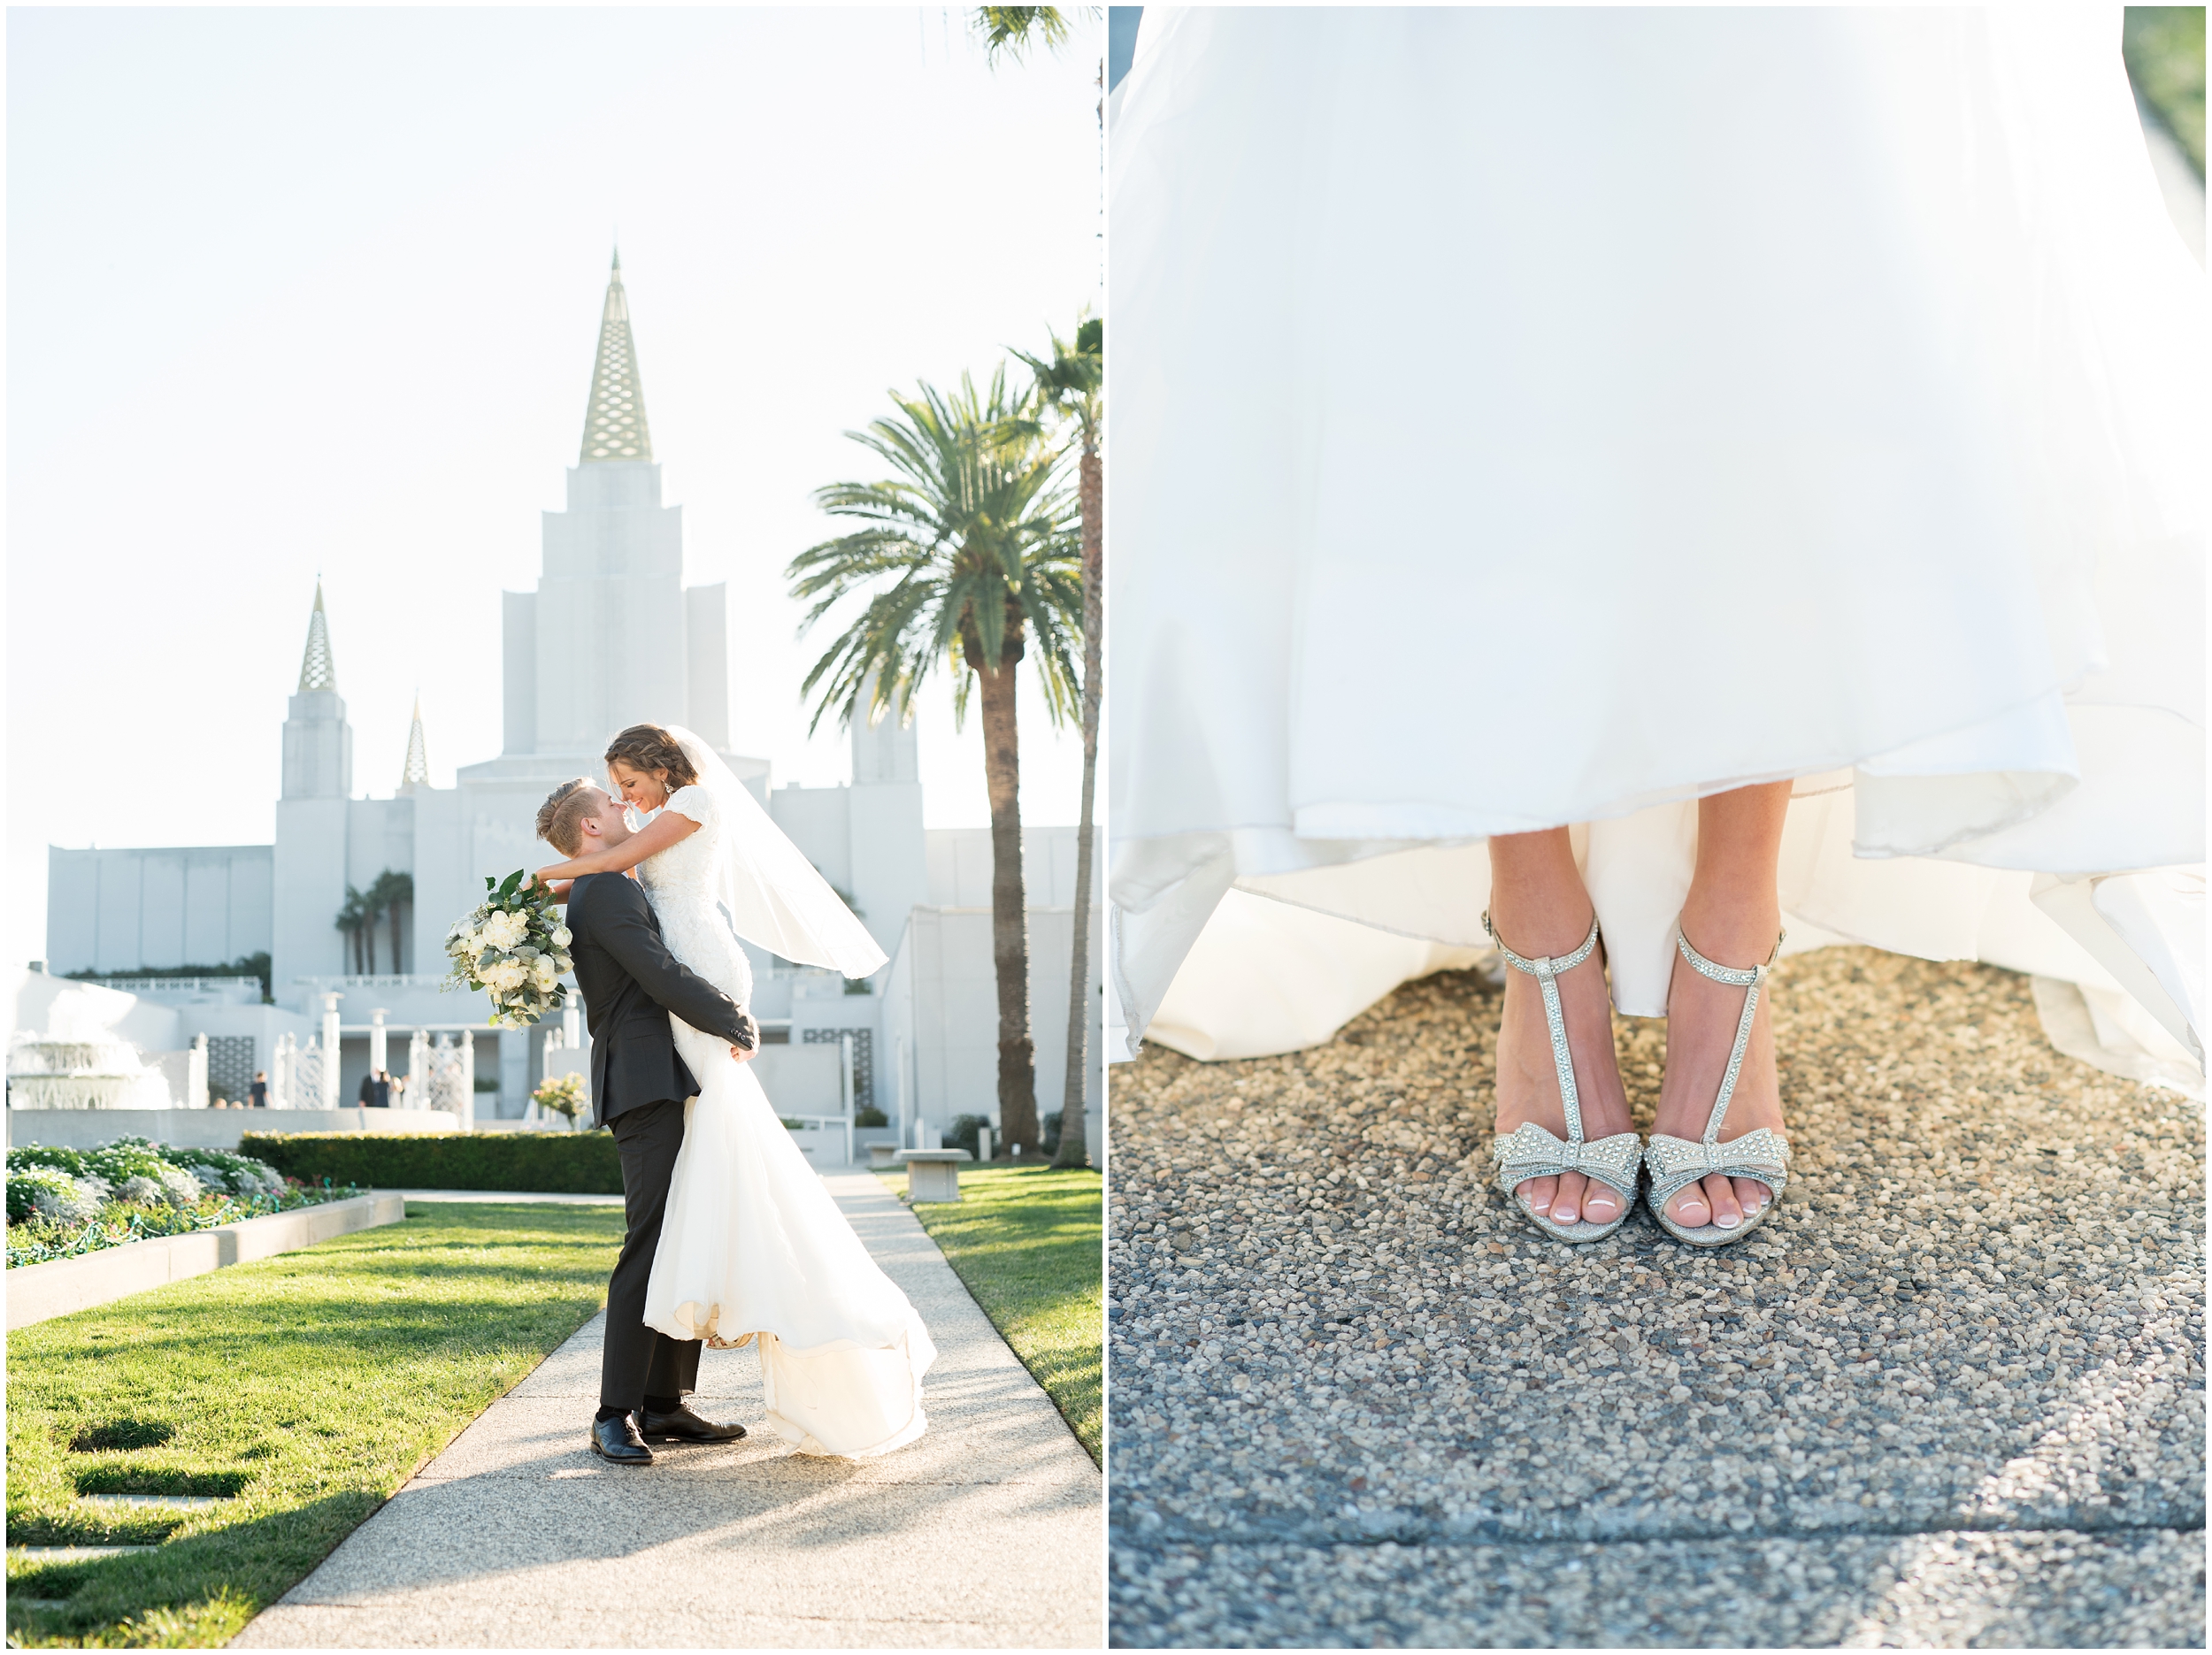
[(318, 670), (416, 772), (614, 424)]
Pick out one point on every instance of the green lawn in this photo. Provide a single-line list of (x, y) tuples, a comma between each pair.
[(306, 1388), (1027, 1242)]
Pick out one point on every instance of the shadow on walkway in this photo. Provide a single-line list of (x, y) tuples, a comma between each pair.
[(518, 1535)]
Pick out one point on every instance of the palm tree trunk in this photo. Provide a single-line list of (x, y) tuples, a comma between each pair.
[(394, 910), (368, 938), (1074, 1143), (1010, 909)]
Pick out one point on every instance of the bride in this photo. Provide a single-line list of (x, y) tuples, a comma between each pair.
[(1693, 470), (751, 1246)]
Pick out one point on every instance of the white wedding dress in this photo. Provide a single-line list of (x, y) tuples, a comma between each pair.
[(752, 1246), (1542, 415)]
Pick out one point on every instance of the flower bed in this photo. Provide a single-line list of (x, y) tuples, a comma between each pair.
[(63, 1203), (570, 1163)]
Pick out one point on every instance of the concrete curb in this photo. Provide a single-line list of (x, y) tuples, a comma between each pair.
[(38, 1292), (512, 1197)]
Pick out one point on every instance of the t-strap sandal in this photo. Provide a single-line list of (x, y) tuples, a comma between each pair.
[(1674, 1163), (1528, 1151)]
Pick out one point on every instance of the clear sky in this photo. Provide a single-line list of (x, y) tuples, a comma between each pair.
[(301, 291)]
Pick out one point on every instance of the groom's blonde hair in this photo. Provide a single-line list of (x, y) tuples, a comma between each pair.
[(560, 818)]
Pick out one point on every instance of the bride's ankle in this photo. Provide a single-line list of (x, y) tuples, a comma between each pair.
[(1735, 934), (1543, 931)]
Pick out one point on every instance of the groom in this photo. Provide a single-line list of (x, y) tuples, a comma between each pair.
[(631, 983)]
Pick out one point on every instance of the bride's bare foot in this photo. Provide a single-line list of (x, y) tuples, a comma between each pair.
[(1701, 1020), (1528, 1080)]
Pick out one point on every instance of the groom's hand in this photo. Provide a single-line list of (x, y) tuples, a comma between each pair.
[(747, 1041)]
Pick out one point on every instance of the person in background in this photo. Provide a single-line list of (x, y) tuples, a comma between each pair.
[(258, 1097)]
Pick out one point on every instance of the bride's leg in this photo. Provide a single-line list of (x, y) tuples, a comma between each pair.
[(1540, 906), (1731, 916)]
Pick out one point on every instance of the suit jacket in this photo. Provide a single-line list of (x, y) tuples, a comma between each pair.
[(631, 983)]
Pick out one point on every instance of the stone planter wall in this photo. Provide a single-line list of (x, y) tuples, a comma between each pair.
[(38, 1292)]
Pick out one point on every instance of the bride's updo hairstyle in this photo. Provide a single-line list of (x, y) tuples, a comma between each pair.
[(649, 747)]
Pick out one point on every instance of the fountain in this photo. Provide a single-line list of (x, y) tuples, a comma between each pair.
[(81, 1068)]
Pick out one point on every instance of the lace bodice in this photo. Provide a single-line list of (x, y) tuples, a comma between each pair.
[(691, 863), (681, 884)]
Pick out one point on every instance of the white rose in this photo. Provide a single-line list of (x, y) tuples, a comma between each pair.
[(561, 937)]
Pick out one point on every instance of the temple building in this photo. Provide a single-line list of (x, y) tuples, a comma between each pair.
[(923, 1039)]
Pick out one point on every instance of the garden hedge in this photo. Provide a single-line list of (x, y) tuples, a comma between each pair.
[(563, 1163)]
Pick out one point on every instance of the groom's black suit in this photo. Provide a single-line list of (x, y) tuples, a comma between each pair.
[(631, 983)]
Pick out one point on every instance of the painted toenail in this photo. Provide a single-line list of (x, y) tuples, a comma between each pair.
[(1726, 1222)]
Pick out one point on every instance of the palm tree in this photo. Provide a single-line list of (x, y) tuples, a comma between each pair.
[(387, 897), (354, 919), (967, 558), (1070, 388)]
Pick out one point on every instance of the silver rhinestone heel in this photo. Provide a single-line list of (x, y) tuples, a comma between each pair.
[(1674, 1163), (1528, 1151)]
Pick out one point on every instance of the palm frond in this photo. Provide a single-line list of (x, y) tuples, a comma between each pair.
[(967, 553), (1009, 31)]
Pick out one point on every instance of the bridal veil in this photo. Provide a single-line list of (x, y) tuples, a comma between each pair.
[(776, 898)]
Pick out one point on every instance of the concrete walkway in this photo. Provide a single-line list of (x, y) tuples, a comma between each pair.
[(986, 1533), (1952, 1395)]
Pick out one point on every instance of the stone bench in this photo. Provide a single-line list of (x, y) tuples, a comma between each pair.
[(882, 1155), (933, 1174)]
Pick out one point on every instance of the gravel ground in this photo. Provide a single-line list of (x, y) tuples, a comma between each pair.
[(2144, 1589), (1343, 1374)]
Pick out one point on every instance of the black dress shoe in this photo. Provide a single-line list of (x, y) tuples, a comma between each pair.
[(616, 1439), (684, 1426)]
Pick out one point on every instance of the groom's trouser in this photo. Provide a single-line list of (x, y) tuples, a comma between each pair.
[(637, 1362)]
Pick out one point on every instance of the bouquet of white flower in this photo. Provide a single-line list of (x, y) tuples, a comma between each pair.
[(513, 948)]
